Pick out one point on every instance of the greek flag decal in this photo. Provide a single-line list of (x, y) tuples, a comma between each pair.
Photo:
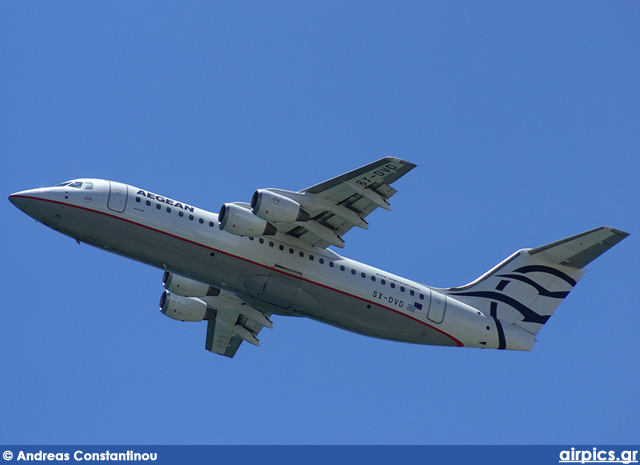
[(415, 306)]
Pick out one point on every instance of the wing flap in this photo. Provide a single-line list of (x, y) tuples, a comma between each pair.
[(337, 205), (234, 322), (221, 340)]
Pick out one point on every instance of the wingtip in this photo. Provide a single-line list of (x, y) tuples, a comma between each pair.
[(618, 232), (409, 164)]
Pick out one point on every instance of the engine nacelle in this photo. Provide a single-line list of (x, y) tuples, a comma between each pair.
[(184, 308), (276, 208), (238, 220), (187, 287)]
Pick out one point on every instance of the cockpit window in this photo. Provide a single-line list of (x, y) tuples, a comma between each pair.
[(77, 185)]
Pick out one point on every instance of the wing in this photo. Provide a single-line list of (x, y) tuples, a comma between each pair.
[(224, 342), (234, 323), (337, 205)]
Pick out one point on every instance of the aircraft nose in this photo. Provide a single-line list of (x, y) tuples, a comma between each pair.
[(23, 198), (13, 198)]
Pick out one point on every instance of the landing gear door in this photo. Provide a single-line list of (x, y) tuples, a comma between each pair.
[(117, 196)]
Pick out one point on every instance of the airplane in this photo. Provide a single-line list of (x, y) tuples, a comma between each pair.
[(237, 268)]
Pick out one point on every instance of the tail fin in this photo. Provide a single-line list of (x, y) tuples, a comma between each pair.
[(526, 288)]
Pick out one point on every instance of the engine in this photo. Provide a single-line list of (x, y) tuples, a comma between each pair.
[(276, 208), (239, 220), (187, 287), (184, 308)]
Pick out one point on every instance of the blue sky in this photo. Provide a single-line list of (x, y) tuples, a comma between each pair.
[(523, 118)]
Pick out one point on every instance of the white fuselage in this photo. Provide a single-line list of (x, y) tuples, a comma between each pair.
[(276, 275)]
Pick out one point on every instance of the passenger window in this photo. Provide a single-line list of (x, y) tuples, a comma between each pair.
[(401, 288), (342, 268), (168, 209), (271, 244), (373, 278), (191, 217), (383, 282), (138, 199), (393, 285), (281, 247), (158, 206), (331, 264), (321, 260), (261, 240), (148, 202), (311, 257), (301, 254), (211, 224), (363, 275), (353, 271), (201, 221), (421, 296), (180, 213), (412, 293), (291, 251)]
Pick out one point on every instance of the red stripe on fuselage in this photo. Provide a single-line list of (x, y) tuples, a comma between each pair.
[(458, 343)]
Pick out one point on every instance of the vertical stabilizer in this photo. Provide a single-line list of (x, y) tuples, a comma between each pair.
[(526, 288)]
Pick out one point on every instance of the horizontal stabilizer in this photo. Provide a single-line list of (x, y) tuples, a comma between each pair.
[(526, 288), (579, 250)]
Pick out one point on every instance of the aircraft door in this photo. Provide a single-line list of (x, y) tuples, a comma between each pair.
[(117, 196), (437, 308)]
